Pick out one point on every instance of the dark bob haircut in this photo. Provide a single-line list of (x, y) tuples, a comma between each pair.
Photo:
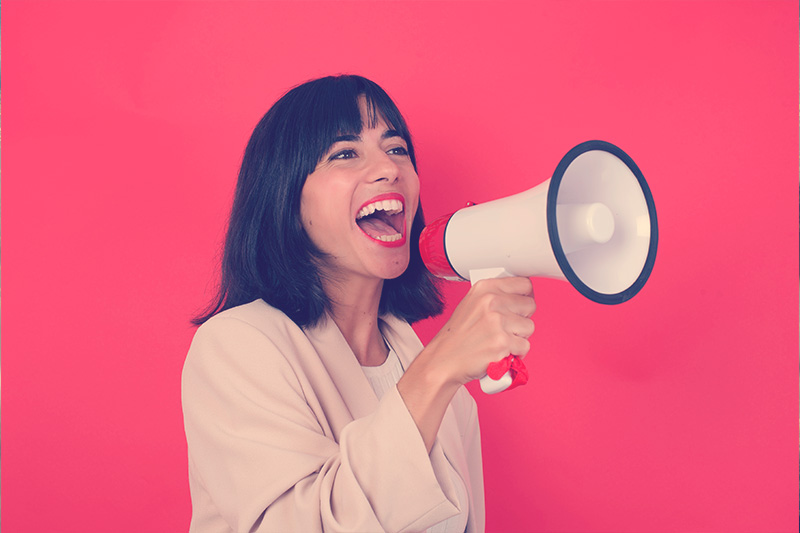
[(267, 252)]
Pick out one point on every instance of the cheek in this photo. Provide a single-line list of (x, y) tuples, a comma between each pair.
[(324, 223), (306, 211), (314, 225), (310, 216)]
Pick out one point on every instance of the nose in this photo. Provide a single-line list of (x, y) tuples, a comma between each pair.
[(384, 168)]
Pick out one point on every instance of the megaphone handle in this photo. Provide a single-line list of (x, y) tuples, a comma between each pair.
[(489, 385), (493, 386)]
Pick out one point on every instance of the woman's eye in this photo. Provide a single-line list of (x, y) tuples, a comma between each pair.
[(399, 150), (344, 154)]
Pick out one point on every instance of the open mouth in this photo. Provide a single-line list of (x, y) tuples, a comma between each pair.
[(383, 219)]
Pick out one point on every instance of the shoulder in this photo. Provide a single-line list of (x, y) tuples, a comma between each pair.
[(253, 338), (241, 371), (255, 320), (257, 314)]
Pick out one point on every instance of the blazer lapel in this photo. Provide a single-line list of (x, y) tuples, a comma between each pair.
[(343, 368)]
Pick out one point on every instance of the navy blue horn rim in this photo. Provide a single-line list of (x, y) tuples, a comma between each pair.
[(552, 224)]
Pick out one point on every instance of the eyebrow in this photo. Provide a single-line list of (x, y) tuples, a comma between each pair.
[(388, 134)]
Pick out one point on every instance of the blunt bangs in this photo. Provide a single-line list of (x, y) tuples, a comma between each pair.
[(328, 108)]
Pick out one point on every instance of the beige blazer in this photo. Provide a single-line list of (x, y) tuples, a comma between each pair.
[(286, 434)]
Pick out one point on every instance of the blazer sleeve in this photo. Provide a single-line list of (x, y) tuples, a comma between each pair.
[(467, 410), (265, 461)]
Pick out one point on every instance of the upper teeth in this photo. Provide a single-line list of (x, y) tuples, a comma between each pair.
[(390, 206)]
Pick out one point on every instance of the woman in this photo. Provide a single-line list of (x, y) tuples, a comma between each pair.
[(309, 402)]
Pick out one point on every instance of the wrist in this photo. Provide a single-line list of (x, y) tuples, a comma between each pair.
[(432, 377)]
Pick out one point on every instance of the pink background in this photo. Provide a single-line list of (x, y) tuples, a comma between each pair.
[(123, 128)]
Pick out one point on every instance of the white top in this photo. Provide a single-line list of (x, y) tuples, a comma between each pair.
[(383, 378)]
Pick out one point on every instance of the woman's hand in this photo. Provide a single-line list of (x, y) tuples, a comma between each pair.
[(492, 321)]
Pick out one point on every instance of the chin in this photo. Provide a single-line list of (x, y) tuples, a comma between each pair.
[(395, 270)]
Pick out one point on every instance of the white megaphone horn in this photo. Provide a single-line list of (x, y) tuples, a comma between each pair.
[(592, 224)]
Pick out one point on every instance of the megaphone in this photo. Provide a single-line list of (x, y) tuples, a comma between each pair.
[(592, 224)]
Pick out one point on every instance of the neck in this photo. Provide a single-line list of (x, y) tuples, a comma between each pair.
[(355, 312)]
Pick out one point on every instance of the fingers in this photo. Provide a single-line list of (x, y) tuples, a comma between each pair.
[(512, 299), (520, 347), (505, 343), (514, 285), (509, 334), (520, 305), (514, 295), (520, 326)]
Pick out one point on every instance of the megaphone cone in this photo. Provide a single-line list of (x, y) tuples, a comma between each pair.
[(592, 224)]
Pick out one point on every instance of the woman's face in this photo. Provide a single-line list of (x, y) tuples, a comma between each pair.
[(359, 203)]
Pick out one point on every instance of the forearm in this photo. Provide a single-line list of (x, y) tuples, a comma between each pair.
[(427, 391)]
